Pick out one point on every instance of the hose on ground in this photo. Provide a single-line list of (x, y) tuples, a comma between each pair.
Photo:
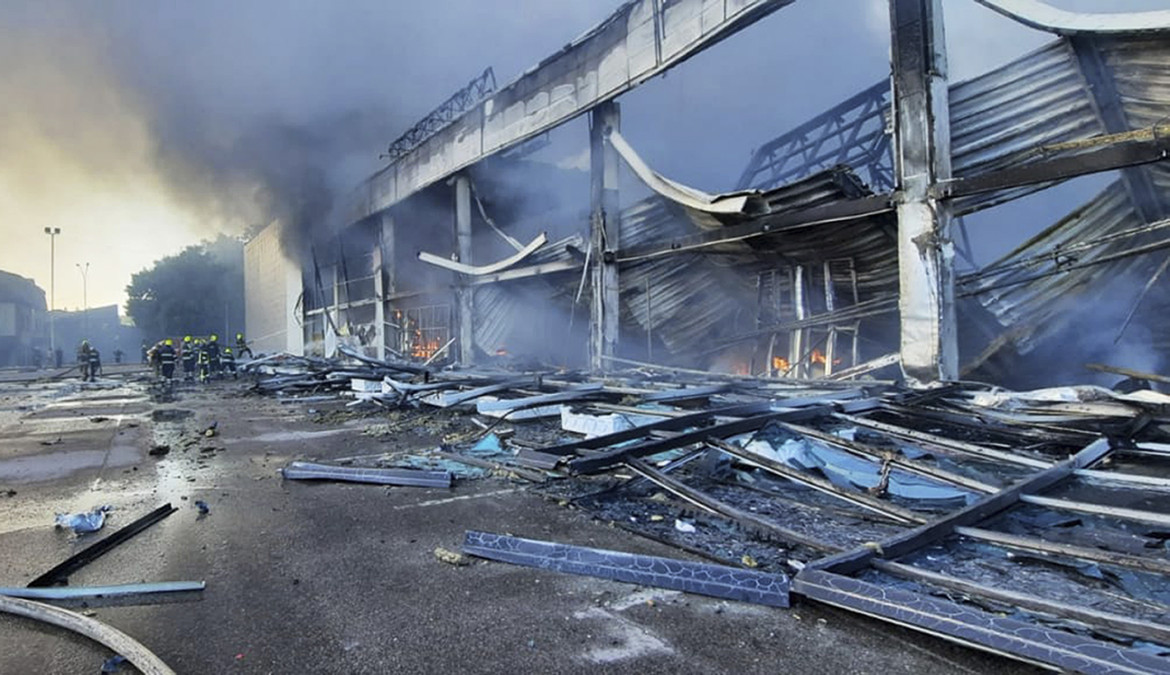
[(111, 637)]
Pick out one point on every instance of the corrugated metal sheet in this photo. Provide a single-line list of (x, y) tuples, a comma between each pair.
[(998, 119), (698, 300), (511, 315)]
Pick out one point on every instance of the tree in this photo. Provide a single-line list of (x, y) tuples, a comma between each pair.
[(197, 292)]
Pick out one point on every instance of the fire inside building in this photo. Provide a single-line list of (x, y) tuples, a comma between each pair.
[(837, 258)]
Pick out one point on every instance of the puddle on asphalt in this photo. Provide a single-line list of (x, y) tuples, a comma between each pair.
[(287, 436), (52, 465)]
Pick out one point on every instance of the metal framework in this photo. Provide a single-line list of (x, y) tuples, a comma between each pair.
[(854, 132), (479, 88)]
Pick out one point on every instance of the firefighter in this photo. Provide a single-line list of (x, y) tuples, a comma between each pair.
[(167, 358), (229, 362), (189, 358), (154, 357), (204, 360), (83, 359), (95, 363), (212, 347), (242, 346)]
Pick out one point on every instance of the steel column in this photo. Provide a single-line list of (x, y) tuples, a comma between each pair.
[(929, 343), (463, 250), (606, 234)]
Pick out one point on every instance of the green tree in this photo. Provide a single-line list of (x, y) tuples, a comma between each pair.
[(196, 292)]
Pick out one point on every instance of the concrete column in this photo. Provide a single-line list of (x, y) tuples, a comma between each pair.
[(463, 250), (922, 145), (385, 281), (379, 294), (606, 232)]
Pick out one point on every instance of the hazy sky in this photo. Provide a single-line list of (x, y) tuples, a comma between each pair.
[(141, 127)]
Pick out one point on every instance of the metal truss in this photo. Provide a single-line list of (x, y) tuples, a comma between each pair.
[(853, 133), (479, 88)]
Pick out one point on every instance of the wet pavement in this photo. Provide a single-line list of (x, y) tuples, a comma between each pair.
[(328, 577)]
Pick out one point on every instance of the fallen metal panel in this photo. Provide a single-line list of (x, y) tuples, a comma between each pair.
[(353, 474), (61, 572), (669, 424), (679, 575), (965, 625), (473, 270), (121, 590), (1043, 16), (605, 460), (904, 543), (690, 198), (572, 394)]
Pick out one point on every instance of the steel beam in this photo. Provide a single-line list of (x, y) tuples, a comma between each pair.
[(681, 575), (606, 233), (59, 574), (922, 159), (463, 250), (1117, 155), (388, 281), (640, 40), (974, 627), (1147, 199), (355, 474)]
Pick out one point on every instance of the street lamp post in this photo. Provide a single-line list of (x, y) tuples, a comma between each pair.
[(84, 297), (52, 232)]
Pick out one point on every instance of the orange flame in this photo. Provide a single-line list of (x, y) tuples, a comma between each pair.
[(780, 363), (817, 356)]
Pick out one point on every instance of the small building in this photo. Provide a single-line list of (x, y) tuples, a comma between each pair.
[(22, 320)]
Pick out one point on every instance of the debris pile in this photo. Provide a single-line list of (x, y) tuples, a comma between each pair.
[(935, 508)]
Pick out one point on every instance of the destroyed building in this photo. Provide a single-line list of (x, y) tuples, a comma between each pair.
[(835, 259), (811, 269)]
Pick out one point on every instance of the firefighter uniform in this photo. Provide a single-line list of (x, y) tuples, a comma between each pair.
[(167, 359), (189, 358), (212, 347), (95, 363), (83, 359), (204, 361), (242, 346), (229, 362)]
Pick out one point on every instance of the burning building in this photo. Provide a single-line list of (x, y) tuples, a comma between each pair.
[(834, 258)]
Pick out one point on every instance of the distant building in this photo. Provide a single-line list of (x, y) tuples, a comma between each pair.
[(272, 295), (22, 320), (102, 327)]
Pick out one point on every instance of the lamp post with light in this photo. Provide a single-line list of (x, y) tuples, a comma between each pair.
[(52, 232)]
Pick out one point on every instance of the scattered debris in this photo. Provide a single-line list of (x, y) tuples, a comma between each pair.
[(113, 664), (122, 590), (61, 572), (81, 523), (451, 557), (204, 509), (159, 450), (680, 575), (403, 477)]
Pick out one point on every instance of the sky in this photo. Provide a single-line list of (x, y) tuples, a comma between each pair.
[(138, 128)]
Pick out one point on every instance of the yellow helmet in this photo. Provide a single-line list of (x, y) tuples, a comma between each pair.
[(186, 338), (170, 341), (214, 337)]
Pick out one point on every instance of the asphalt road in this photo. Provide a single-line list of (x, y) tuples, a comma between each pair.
[(342, 578)]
